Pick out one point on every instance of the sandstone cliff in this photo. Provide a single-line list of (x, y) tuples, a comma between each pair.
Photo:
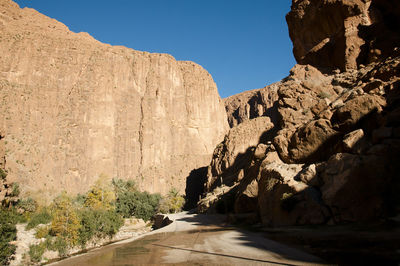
[(330, 154), (74, 108)]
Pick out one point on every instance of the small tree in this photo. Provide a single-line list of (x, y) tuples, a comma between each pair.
[(139, 204), (101, 195), (65, 223), (8, 233), (172, 203)]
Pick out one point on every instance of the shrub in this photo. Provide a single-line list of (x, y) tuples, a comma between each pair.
[(42, 231), (36, 252), (101, 195), (65, 222), (57, 244), (99, 223), (109, 222), (80, 199), (15, 190), (28, 205), (41, 217), (8, 232), (172, 203), (139, 204)]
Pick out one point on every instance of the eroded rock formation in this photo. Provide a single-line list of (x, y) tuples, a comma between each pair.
[(252, 104), (342, 34), (331, 154), (74, 108)]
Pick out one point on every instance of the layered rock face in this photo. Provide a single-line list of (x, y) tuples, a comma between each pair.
[(74, 108), (331, 154), (342, 34)]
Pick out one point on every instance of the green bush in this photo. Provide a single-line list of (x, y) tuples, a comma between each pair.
[(8, 232), (41, 217), (79, 200), (15, 190), (99, 223), (57, 244), (36, 252), (139, 204), (109, 222), (28, 205)]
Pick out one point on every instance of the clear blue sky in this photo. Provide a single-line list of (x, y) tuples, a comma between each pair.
[(244, 44)]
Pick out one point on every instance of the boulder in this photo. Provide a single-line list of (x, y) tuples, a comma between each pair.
[(348, 116), (284, 201), (313, 141), (354, 187), (161, 220), (352, 140)]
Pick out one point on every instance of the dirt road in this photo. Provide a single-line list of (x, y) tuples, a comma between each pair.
[(194, 239)]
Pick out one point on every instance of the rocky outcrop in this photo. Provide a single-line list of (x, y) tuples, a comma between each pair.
[(75, 108), (234, 153), (330, 155), (330, 158), (342, 34), (251, 104)]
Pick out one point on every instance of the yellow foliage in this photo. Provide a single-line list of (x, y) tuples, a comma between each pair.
[(101, 195), (172, 203), (65, 221)]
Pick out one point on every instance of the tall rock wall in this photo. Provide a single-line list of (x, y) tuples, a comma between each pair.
[(74, 108)]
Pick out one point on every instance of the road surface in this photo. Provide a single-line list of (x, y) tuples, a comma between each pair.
[(194, 239)]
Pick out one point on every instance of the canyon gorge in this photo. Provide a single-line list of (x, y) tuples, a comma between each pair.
[(319, 147)]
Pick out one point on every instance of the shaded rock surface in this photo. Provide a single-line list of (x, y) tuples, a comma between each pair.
[(331, 154), (74, 108), (342, 34)]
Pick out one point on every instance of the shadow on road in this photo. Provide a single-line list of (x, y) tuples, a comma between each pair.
[(222, 255), (217, 223)]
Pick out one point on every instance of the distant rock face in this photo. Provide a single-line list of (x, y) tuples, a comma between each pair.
[(252, 104), (342, 34), (74, 108)]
